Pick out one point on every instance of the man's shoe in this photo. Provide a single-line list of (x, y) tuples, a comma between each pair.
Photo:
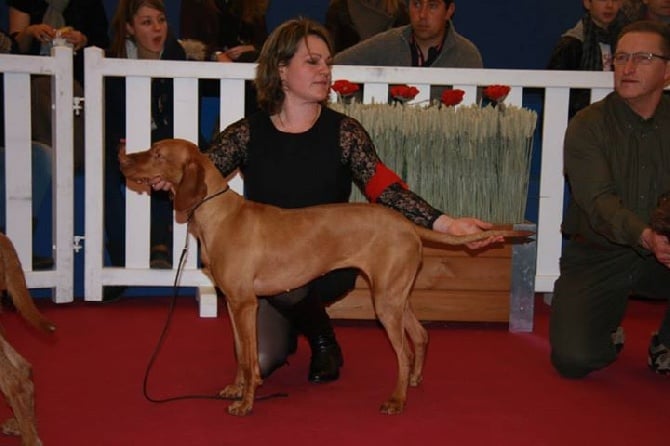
[(659, 356), (326, 360)]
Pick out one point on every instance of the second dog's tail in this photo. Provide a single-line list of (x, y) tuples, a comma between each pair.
[(428, 235), (15, 282)]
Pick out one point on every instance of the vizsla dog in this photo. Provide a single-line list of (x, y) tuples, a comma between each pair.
[(250, 249), (15, 372)]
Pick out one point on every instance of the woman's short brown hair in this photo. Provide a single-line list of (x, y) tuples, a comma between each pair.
[(278, 50)]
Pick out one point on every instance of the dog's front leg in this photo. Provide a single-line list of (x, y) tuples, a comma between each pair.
[(243, 317), (19, 391)]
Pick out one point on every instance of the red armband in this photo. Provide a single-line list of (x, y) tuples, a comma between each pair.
[(382, 179)]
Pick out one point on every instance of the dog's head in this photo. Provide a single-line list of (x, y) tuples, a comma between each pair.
[(176, 161), (660, 218)]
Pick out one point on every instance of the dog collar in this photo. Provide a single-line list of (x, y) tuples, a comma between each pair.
[(190, 213)]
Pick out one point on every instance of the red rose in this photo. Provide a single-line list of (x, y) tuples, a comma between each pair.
[(403, 92), (496, 93), (452, 97), (344, 88)]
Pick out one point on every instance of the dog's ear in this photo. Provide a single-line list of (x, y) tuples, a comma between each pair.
[(191, 189)]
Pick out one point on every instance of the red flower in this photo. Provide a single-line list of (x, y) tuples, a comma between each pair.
[(344, 88), (403, 92), (452, 97), (496, 93)]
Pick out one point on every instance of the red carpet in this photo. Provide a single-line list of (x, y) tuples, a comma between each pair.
[(482, 385)]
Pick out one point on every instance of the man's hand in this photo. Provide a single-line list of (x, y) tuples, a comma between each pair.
[(658, 244)]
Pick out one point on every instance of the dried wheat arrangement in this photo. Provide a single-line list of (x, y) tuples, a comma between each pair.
[(465, 160)]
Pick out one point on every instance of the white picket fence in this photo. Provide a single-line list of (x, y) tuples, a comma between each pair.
[(18, 177), (138, 74)]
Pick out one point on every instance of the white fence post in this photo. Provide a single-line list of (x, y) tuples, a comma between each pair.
[(17, 70)]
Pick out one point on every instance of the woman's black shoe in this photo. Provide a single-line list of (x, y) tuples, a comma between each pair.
[(326, 360)]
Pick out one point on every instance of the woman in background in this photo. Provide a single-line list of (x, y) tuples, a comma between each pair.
[(139, 31), (233, 30)]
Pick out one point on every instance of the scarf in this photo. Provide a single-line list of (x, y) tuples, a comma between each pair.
[(593, 36), (53, 16)]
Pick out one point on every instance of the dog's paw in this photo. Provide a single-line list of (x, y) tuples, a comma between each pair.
[(240, 408), (11, 427), (392, 407), (414, 381), (231, 392)]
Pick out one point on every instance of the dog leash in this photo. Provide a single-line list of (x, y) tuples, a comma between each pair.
[(168, 321), (191, 211)]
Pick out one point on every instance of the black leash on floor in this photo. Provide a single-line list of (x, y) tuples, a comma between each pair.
[(161, 341)]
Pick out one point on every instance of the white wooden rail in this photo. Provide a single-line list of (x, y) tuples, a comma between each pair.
[(18, 200), (138, 74)]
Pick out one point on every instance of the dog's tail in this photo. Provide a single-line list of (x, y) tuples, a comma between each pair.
[(15, 282), (428, 235)]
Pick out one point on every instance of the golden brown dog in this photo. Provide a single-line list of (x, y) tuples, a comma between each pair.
[(250, 249), (15, 372)]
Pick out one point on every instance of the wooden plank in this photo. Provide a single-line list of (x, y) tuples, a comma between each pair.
[(452, 285), (433, 305)]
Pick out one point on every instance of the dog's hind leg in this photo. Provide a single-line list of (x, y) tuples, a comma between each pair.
[(390, 303), (18, 389), (419, 337)]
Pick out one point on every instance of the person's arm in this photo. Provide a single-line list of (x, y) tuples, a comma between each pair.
[(566, 55), (24, 33), (96, 26), (592, 184), (228, 150), (383, 186)]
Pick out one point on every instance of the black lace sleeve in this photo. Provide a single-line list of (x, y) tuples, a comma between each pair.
[(228, 150), (358, 151)]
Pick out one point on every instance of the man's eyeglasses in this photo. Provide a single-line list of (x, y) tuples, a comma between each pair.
[(638, 58)]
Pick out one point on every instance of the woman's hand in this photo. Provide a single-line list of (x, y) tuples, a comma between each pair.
[(235, 52), (41, 32), (158, 184), (77, 39), (465, 226)]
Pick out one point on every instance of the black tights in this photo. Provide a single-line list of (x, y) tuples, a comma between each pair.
[(282, 317)]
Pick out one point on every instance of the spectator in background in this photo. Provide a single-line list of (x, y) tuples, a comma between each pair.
[(618, 165), (649, 10), (34, 24), (350, 21), (430, 40), (139, 31), (589, 45), (233, 30)]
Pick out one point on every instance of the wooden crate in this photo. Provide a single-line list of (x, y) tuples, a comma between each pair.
[(453, 285)]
